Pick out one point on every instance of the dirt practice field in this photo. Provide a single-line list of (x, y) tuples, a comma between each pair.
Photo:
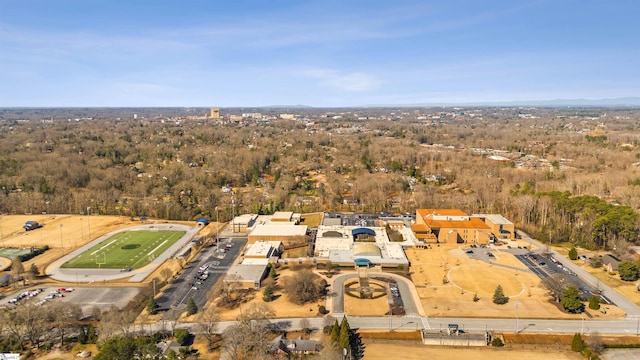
[(447, 279), (389, 350), (126, 249)]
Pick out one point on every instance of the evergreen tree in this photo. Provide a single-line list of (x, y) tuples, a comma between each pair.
[(577, 344), (499, 297), (82, 335), (344, 338), (573, 253), (272, 272), (34, 272), (192, 308), (267, 294), (182, 336), (571, 300), (357, 347), (594, 303), (335, 333), (629, 271), (92, 335), (152, 306)]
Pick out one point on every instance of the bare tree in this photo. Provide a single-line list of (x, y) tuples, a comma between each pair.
[(17, 269), (64, 317), (208, 326), (166, 274), (32, 318), (557, 284), (249, 337), (304, 286), (172, 316)]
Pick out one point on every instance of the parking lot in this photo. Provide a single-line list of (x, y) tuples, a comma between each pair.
[(86, 297), (199, 276), (546, 266)]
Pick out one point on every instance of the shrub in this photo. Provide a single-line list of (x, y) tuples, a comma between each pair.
[(594, 303), (497, 342)]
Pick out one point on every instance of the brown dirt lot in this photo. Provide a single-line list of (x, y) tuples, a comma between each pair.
[(468, 276), (384, 350)]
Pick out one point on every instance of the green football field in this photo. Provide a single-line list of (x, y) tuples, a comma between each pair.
[(128, 249)]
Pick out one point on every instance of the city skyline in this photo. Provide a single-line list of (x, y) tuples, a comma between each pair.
[(354, 53)]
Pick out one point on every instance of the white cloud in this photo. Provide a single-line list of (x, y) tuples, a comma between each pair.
[(345, 81)]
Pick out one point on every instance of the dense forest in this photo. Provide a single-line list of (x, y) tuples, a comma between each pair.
[(564, 175)]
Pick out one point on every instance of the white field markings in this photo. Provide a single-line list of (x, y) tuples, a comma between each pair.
[(139, 258), (102, 247)]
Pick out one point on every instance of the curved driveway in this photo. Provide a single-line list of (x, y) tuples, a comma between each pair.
[(408, 293), (93, 275)]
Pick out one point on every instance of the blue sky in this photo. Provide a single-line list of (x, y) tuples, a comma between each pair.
[(318, 53)]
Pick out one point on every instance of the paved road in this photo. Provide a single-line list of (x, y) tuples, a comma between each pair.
[(218, 261), (631, 310), (623, 326)]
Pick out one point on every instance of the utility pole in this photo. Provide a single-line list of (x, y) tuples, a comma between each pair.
[(233, 213), (61, 243), (517, 304), (89, 220), (217, 230)]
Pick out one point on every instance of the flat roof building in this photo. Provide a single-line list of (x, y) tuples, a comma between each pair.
[(344, 244), (500, 226), (263, 249), (287, 233), (248, 276)]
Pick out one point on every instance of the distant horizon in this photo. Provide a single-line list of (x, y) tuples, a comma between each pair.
[(578, 102)]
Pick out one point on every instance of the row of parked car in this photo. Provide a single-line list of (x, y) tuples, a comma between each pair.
[(394, 290), (33, 293)]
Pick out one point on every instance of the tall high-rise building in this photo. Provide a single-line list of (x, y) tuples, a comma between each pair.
[(215, 113)]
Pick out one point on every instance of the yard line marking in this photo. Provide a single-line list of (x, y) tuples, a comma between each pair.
[(157, 247), (93, 253)]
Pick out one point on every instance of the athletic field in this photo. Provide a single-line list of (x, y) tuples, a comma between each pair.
[(127, 249)]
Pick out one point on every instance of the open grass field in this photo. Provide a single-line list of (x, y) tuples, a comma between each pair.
[(127, 249)]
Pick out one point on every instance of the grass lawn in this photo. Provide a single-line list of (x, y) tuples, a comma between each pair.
[(128, 249)]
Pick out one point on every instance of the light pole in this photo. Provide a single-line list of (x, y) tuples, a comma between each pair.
[(1, 236), (233, 213), (582, 324), (61, 243), (89, 220), (81, 231), (517, 304), (217, 230)]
